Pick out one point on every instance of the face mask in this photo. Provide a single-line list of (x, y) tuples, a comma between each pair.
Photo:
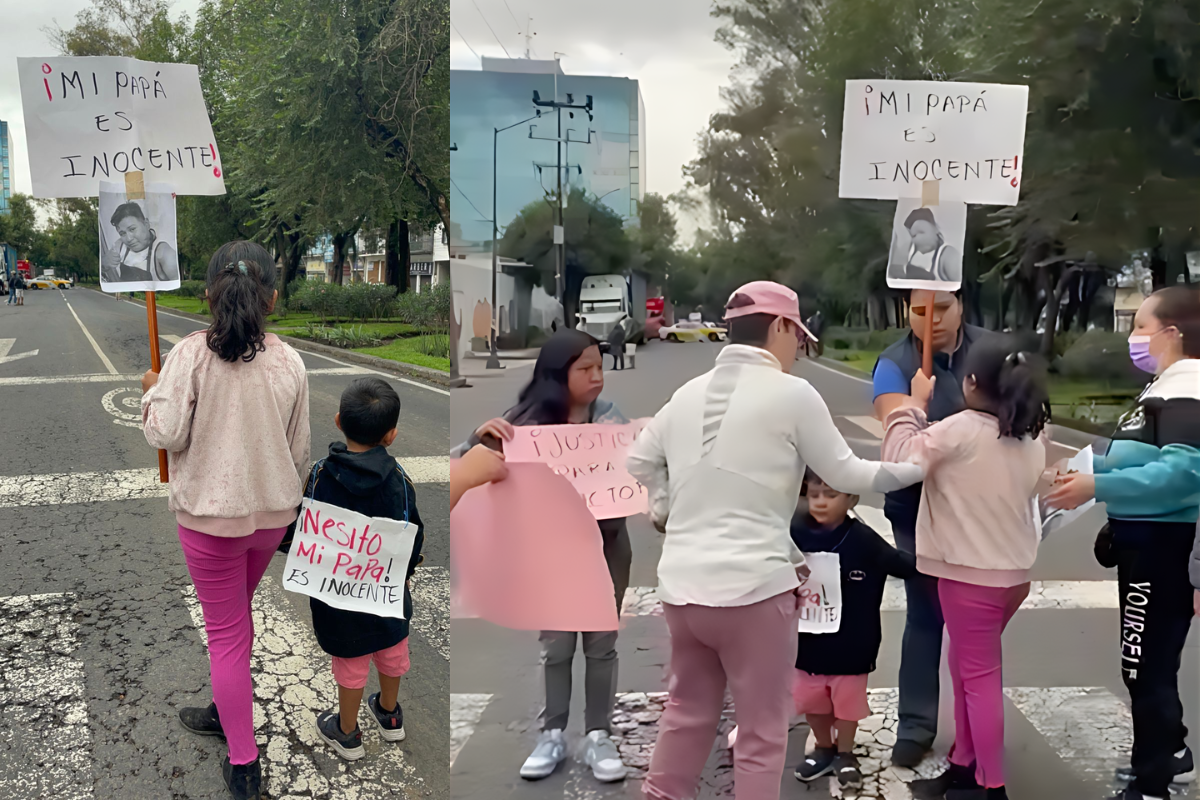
[(1139, 353)]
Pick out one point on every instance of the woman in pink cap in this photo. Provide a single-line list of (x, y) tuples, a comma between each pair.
[(723, 461)]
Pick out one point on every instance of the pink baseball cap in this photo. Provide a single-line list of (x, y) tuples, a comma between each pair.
[(766, 297)]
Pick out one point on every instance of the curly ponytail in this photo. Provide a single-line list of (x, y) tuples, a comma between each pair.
[(1012, 386), (241, 291)]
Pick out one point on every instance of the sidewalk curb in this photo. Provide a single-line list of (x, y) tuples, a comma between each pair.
[(375, 362)]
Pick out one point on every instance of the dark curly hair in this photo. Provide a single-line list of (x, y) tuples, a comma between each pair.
[(241, 291)]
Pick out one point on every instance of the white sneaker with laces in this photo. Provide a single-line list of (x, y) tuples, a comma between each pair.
[(603, 757), (551, 749)]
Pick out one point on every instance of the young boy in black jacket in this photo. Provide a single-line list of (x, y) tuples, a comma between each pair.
[(363, 477), (832, 668)]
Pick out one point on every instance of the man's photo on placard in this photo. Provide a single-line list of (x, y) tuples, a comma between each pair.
[(138, 247), (927, 246)]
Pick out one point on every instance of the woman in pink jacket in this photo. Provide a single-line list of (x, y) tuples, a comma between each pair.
[(978, 534), (231, 410)]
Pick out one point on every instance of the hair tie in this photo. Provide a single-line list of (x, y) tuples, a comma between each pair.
[(1016, 358), (240, 266)]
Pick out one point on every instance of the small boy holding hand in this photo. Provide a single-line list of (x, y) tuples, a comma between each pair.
[(832, 668)]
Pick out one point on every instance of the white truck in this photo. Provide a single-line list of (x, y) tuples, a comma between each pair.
[(604, 302)]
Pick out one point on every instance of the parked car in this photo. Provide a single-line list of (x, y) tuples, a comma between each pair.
[(690, 331)]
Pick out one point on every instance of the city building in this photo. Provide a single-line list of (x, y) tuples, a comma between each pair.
[(605, 156), (6, 151)]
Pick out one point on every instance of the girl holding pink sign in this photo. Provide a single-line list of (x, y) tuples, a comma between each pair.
[(565, 389)]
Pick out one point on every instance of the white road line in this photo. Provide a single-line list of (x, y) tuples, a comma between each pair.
[(1089, 727), (292, 684), (868, 424), (140, 484), (40, 380), (111, 369), (643, 601), (465, 712), (170, 338), (49, 754), (6, 346)]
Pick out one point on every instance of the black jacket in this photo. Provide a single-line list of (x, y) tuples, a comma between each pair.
[(372, 484), (866, 561)]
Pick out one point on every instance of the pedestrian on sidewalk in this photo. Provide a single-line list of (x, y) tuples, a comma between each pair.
[(231, 410), (921, 650), (362, 476), (565, 389), (724, 461), (832, 669), (976, 533), (1150, 480)]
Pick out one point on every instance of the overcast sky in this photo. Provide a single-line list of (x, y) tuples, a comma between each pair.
[(21, 35), (667, 45)]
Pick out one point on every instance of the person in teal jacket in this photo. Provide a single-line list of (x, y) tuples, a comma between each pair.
[(1149, 478)]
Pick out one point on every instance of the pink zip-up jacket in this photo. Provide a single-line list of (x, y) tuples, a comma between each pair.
[(237, 436), (977, 521)]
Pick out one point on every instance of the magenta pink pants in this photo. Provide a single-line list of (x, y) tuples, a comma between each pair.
[(975, 618), (753, 649), (226, 572)]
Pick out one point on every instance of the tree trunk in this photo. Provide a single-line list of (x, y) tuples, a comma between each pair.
[(339, 256), (397, 255), (1054, 302), (404, 253)]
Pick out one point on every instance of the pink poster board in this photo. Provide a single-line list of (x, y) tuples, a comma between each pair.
[(592, 458), (527, 555)]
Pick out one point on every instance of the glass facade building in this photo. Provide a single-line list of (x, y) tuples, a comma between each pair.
[(611, 166), (5, 168)]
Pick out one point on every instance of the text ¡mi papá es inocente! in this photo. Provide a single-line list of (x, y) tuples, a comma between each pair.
[(984, 169), (130, 87)]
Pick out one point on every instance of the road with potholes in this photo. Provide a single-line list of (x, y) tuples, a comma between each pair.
[(100, 635)]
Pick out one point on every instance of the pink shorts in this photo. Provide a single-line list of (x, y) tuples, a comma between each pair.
[(352, 672), (844, 696)]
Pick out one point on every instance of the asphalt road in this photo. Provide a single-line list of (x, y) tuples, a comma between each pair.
[(1067, 719), (100, 635)]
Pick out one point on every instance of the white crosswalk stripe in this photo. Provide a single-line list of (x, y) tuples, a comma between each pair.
[(465, 712), (45, 742)]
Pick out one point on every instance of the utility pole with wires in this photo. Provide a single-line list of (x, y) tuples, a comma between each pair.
[(559, 234)]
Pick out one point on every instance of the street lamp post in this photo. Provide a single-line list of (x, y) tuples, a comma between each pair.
[(493, 361)]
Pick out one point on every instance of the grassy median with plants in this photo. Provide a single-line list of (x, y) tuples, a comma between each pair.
[(367, 318)]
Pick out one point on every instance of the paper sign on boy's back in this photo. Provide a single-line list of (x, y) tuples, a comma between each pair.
[(350, 561), (527, 555), (821, 594), (96, 118), (592, 458)]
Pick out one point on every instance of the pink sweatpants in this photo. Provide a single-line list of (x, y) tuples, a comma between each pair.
[(226, 572), (753, 648), (976, 616)]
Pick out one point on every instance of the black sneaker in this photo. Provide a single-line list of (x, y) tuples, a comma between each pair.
[(203, 721), (347, 745), (244, 781), (907, 753), (1131, 793), (391, 723), (817, 763), (1184, 768), (845, 766), (956, 777)]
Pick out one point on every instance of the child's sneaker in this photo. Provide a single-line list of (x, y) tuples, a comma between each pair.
[(391, 723), (347, 745), (817, 763), (845, 766), (205, 721)]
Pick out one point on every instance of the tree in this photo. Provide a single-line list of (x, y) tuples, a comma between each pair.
[(595, 242), (19, 227)]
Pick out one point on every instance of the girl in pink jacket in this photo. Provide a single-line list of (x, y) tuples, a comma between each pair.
[(231, 410), (977, 533)]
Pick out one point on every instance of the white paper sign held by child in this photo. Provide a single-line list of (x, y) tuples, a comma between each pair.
[(350, 561), (821, 594)]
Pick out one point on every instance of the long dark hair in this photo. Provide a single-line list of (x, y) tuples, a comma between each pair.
[(241, 287), (546, 399), (1013, 387)]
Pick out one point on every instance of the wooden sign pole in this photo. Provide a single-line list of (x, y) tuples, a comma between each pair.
[(135, 189), (929, 197)]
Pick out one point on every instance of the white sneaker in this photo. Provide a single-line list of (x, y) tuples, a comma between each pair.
[(603, 758), (551, 749)]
